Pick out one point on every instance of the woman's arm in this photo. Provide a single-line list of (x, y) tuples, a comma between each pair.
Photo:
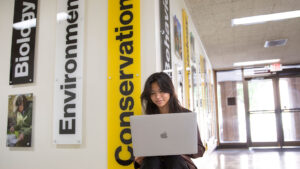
[(137, 162), (201, 148)]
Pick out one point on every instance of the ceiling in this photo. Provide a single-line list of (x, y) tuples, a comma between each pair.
[(225, 44)]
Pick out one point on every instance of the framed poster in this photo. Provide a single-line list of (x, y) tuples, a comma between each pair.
[(192, 48), (177, 38), (19, 121), (179, 82)]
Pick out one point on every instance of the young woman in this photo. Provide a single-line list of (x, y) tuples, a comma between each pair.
[(159, 97)]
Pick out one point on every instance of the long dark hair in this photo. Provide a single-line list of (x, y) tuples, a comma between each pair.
[(21, 99), (165, 84)]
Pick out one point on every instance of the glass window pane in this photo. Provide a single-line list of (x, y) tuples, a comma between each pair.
[(289, 92), (291, 128), (261, 95), (263, 127), (232, 125), (262, 110), (290, 105)]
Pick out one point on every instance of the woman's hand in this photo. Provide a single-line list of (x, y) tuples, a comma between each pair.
[(139, 160)]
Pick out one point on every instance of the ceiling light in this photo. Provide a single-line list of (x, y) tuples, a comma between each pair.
[(265, 18), (258, 62)]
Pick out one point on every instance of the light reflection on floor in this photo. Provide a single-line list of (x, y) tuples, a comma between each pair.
[(251, 159)]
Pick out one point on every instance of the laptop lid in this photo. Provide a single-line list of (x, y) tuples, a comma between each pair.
[(164, 134)]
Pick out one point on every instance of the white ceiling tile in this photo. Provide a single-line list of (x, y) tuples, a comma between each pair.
[(225, 44)]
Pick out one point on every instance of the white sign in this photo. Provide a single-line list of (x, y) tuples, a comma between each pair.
[(68, 75)]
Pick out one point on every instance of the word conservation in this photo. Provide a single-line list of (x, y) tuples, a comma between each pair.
[(126, 88)]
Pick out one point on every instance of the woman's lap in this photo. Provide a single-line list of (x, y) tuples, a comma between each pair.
[(164, 162)]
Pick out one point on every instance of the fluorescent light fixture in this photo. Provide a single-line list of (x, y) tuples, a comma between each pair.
[(265, 18), (258, 62)]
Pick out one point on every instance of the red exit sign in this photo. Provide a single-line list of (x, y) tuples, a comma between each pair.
[(275, 67)]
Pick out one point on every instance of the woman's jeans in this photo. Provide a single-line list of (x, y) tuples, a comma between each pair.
[(164, 162)]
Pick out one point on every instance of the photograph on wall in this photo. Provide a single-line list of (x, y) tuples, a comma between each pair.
[(19, 123), (177, 37), (194, 93), (203, 98), (180, 84), (202, 66), (192, 48)]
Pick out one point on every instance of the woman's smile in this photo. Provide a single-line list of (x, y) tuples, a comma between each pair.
[(160, 98)]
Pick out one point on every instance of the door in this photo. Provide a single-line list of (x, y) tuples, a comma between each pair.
[(271, 114), (289, 88), (262, 113)]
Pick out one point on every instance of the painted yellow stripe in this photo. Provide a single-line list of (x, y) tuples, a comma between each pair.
[(124, 79), (186, 58)]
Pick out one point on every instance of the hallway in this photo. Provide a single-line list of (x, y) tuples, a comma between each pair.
[(255, 158)]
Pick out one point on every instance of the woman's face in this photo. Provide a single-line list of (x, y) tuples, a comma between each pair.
[(159, 98), (21, 108)]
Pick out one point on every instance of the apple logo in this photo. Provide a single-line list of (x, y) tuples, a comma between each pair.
[(164, 135)]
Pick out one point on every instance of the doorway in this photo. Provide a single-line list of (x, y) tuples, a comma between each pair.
[(258, 109), (289, 88), (273, 111), (262, 112)]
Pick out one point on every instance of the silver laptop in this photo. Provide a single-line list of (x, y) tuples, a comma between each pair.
[(164, 134)]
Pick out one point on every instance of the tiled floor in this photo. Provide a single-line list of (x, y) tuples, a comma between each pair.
[(287, 158)]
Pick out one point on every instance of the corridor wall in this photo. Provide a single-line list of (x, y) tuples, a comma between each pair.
[(92, 153)]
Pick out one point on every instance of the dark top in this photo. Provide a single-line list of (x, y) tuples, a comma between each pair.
[(201, 150)]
